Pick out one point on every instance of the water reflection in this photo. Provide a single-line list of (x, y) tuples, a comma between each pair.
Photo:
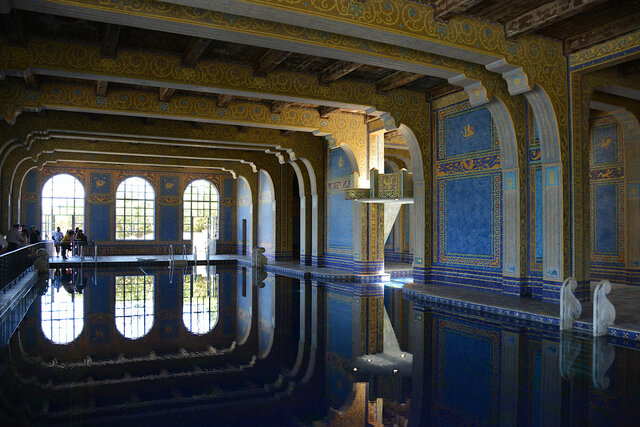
[(62, 308), (200, 301), (289, 350), (134, 305)]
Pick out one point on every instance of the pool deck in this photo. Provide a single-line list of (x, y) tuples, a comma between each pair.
[(625, 299)]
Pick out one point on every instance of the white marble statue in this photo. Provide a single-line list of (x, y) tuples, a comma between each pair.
[(41, 264), (570, 307), (259, 260), (603, 311)]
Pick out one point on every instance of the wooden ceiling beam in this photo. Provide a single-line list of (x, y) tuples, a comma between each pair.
[(224, 100), (632, 67), (397, 79), (269, 61), (165, 94), (14, 28), (442, 90), (194, 51), (445, 9), (278, 106), (546, 15), (337, 70), (603, 32), (101, 88), (110, 41), (325, 111)]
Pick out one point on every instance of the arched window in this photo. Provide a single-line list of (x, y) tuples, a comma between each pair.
[(135, 217), (62, 317), (134, 305), (62, 204), (200, 213), (200, 302)]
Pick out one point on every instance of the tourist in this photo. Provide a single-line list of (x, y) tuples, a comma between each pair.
[(65, 243), (34, 234), (80, 241), (57, 237), (14, 237), (25, 236), (74, 241), (4, 245)]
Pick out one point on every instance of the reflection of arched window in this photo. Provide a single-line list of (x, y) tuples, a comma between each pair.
[(200, 303), (135, 210), (200, 203), (62, 311), (62, 204), (134, 305)]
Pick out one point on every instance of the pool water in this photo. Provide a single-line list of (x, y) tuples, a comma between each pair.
[(216, 346)]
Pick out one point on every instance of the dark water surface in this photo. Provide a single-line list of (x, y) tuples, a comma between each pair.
[(155, 347)]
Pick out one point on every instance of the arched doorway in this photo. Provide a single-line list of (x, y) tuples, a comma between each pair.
[(62, 204)]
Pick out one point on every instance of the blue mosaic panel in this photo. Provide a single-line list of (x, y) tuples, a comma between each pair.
[(468, 216), (605, 141), (539, 215), (606, 214), (339, 165), (226, 223), (30, 217), (340, 221), (31, 182), (228, 187), (99, 222), (99, 333), (101, 183), (467, 131), (169, 185), (99, 295), (338, 385), (168, 222), (169, 297)]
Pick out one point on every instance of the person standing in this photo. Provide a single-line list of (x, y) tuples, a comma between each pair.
[(57, 237), (34, 234), (14, 237), (66, 243)]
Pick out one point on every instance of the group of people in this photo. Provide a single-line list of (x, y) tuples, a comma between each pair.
[(69, 241), (17, 237)]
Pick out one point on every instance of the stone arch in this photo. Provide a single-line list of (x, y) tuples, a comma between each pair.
[(511, 182), (419, 200), (244, 212), (266, 217), (552, 189)]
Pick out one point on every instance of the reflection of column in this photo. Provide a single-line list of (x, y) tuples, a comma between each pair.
[(510, 377), (368, 238), (551, 386), (421, 378)]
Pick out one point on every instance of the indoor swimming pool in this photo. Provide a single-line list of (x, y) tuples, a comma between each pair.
[(147, 345)]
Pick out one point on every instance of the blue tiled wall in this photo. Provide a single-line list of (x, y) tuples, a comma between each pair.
[(339, 219)]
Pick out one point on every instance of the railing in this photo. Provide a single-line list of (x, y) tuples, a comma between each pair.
[(14, 264)]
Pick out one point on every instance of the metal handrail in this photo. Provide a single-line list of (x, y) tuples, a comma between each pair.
[(171, 257), (14, 264)]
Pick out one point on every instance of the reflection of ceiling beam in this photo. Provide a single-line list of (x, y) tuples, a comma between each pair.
[(624, 92), (13, 27), (442, 90), (165, 94), (194, 51), (101, 88), (545, 15), (278, 106), (602, 32), (31, 81), (397, 79), (110, 41), (336, 70), (444, 9), (325, 111), (224, 100), (270, 60)]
